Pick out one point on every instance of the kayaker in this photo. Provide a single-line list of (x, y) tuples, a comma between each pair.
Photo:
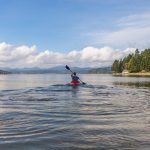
[(75, 78)]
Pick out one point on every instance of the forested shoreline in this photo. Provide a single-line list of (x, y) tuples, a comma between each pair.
[(133, 63)]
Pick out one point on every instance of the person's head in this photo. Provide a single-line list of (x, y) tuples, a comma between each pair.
[(74, 73)]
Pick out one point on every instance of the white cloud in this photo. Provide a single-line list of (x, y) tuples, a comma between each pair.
[(25, 56), (140, 20), (137, 37), (131, 31), (15, 53)]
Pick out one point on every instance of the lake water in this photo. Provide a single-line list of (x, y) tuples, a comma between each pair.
[(41, 112)]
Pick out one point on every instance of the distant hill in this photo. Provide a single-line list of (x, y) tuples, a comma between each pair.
[(105, 70), (4, 72), (58, 70)]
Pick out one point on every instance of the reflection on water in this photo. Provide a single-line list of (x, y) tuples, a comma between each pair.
[(133, 84), (48, 114)]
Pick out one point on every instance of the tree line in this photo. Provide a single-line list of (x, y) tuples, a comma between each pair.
[(136, 62)]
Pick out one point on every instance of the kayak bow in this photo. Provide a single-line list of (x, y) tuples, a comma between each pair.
[(74, 83)]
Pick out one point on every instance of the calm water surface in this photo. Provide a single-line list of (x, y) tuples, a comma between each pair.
[(41, 112)]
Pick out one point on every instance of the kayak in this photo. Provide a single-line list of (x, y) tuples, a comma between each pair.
[(74, 83)]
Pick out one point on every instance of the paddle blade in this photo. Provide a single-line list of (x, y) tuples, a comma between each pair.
[(67, 67)]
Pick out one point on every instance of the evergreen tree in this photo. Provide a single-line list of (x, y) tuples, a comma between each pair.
[(133, 64), (126, 62), (121, 66), (115, 66), (145, 60)]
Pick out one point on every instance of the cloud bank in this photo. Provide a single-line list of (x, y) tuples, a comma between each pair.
[(25, 56)]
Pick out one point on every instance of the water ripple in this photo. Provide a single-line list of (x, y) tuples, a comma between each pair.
[(85, 117)]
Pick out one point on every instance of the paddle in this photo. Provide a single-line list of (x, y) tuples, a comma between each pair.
[(67, 67)]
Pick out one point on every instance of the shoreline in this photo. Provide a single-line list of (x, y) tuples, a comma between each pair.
[(145, 74)]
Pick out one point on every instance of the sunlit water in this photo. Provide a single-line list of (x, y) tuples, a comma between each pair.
[(41, 112)]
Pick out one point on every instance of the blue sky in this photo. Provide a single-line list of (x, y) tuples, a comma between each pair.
[(62, 26)]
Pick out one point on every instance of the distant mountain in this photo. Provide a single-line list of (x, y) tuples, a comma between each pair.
[(33, 70), (4, 72), (58, 69), (105, 70)]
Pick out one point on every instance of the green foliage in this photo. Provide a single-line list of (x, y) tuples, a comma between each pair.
[(136, 62)]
